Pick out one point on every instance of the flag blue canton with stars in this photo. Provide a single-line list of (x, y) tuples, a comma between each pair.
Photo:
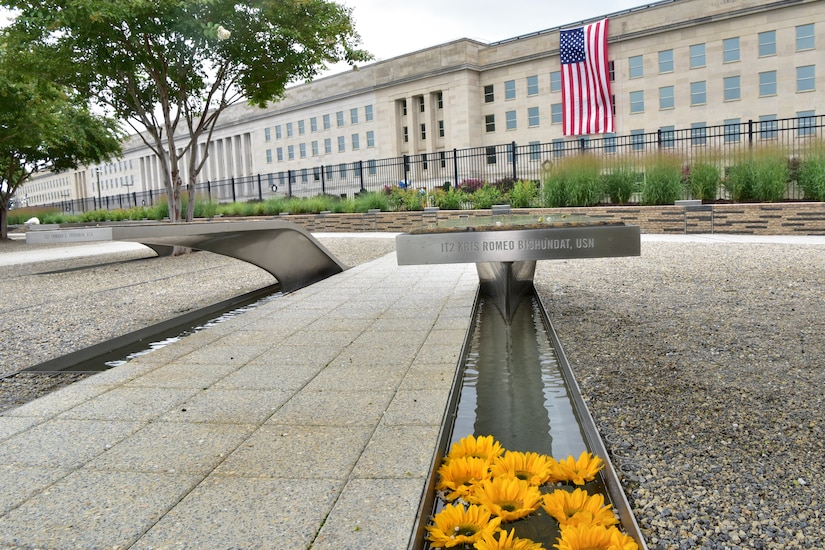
[(571, 46)]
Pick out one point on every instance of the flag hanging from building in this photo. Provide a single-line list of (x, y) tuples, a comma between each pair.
[(585, 77)]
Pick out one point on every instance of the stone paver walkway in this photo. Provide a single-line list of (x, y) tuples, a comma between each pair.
[(308, 422)]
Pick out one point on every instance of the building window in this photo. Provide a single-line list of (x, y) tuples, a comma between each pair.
[(556, 113), (697, 56), (698, 93), (637, 101), (731, 88), (313, 124), (806, 123), (532, 85), (489, 96), (288, 129), (302, 150), (667, 136), (304, 175), (609, 143), (532, 117), (342, 145), (328, 145), (805, 37), (555, 81), (439, 100), (732, 132), (730, 49), (698, 133), (611, 69), (327, 124), (441, 128), (339, 118), (666, 98), (421, 104), (406, 134), (371, 167), (368, 113), (491, 155), (636, 66), (315, 148), (342, 170), (510, 120), (279, 153), (301, 127), (768, 127), (269, 156), (356, 142), (267, 135), (290, 152), (278, 131), (558, 147), (665, 61), (535, 150), (767, 43), (423, 129), (330, 171), (490, 123), (767, 83), (637, 140), (370, 138), (805, 78), (510, 89), (353, 116), (403, 107)]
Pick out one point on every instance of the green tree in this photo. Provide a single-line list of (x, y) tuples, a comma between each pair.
[(170, 68), (44, 127)]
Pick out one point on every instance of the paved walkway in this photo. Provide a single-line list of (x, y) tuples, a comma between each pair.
[(309, 421)]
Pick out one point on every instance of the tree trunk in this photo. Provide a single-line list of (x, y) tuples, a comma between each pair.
[(4, 220)]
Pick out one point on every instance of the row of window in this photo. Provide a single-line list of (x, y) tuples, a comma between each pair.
[(355, 145), (290, 128), (731, 89), (422, 104), (422, 131), (697, 58)]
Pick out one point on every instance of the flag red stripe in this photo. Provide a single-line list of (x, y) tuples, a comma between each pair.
[(586, 100)]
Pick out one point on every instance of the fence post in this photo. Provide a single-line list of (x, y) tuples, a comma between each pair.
[(361, 175), (232, 183), (260, 191), (659, 138), (323, 180), (406, 178), (750, 132), (515, 158), (289, 182), (455, 168)]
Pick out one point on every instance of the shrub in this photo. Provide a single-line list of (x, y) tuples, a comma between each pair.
[(573, 182), (471, 185), (771, 175), (663, 181), (449, 199), (811, 176), (620, 183), (371, 201), (523, 194), (704, 181), (486, 197), (505, 184)]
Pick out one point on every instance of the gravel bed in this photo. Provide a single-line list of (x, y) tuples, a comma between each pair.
[(702, 365)]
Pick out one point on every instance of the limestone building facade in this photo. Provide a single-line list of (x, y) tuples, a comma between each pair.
[(675, 64)]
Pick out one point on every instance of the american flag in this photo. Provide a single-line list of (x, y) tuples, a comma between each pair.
[(585, 77)]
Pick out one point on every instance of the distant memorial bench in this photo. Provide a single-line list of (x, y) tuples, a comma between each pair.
[(286, 250), (505, 248)]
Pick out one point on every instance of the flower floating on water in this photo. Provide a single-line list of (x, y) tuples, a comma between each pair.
[(485, 447), (589, 537), (532, 467), (455, 525), (508, 498), (507, 541), (578, 507), (579, 471), (459, 477), (223, 33)]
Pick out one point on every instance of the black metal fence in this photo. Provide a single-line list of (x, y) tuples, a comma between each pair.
[(723, 144)]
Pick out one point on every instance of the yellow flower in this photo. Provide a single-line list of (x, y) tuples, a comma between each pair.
[(458, 477), (508, 498), (456, 525), (507, 542), (532, 467), (578, 508), (579, 471), (479, 447), (594, 537)]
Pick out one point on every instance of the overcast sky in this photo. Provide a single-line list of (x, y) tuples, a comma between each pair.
[(390, 28)]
